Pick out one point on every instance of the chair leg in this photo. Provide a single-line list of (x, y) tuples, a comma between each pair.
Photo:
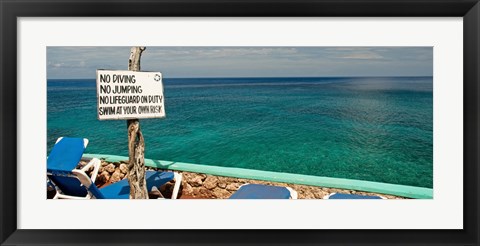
[(155, 191), (58, 192), (293, 193), (178, 182)]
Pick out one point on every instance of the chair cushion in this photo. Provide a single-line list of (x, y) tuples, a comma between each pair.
[(352, 196), (65, 155), (256, 191), (121, 189)]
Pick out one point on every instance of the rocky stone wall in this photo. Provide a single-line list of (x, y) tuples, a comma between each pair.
[(109, 172), (204, 186), (196, 185)]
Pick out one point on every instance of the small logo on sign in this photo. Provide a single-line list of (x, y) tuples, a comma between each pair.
[(157, 77)]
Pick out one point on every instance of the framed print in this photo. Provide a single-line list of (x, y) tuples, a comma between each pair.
[(374, 103)]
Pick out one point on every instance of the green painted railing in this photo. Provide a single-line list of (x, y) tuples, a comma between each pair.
[(360, 185)]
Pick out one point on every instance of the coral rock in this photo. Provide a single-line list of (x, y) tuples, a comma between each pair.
[(110, 168), (196, 181), (123, 168), (116, 176), (104, 177), (210, 182), (221, 193), (233, 186)]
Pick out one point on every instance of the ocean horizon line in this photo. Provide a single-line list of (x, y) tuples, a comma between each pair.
[(272, 77)]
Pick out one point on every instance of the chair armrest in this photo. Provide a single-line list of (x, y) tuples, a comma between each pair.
[(96, 167)]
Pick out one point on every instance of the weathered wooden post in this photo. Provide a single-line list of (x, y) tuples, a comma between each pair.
[(131, 95), (136, 144)]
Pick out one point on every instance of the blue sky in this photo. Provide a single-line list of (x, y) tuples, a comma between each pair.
[(75, 62)]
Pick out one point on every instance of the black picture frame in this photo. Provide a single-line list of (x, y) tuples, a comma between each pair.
[(10, 10)]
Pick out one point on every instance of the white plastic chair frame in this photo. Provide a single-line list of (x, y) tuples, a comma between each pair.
[(293, 193), (178, 182)]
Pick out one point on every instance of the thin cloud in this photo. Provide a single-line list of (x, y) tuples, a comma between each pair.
[(82, 62), (363, 56), (217, 52)]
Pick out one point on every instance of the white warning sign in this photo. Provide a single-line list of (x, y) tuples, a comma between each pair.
[(124, 94)]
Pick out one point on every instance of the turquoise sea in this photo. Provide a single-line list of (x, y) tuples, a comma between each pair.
[(376, 129)]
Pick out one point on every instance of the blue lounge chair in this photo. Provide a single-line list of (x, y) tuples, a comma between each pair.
[(64, 157), (74, 183), (258, 191), (350, 196), (121, 189)]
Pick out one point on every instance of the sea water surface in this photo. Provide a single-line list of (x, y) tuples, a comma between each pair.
[(377, 129)]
